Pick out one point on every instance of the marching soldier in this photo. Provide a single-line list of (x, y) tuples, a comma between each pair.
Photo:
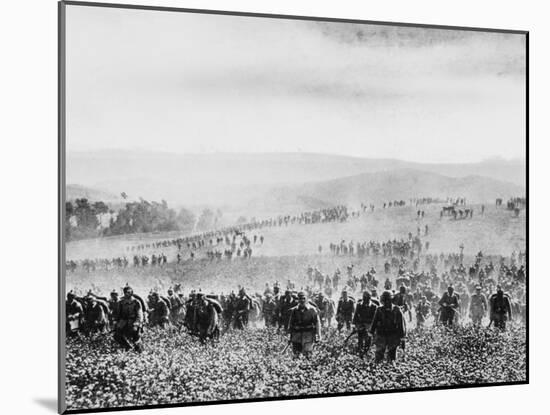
[(206, 318), (362, 320), (286, 303), (96, 315), (344, 311), (449, 306), (129, 320), (501, 308), (75, 314), (159, 311), (176, 307), (324, 306), (269, 310), (113, 304), (423, 310), (388, 328), (304, 327), (242, 309), (402, 299), (478, 306)]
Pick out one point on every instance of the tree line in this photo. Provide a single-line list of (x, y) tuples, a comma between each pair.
[(85, 219)]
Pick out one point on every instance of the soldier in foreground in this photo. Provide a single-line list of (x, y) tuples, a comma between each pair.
[(129, 321), (159, 315), (501, 308), (304, 327), (362, 320), (423, 311), (478, 306), (242, 309), (75, 314), (286, 303), (388, 328), (403, 300), (269, 310), (345, 310), (449, 306), (207, 319), (177, 309)]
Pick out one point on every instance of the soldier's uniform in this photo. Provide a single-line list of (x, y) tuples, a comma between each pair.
[(304, 325), (207, 319), (449, 306), (269, 311), (323, 304), (388, 328), (344, 312), (501, 309), (478, 307), (423, 310), (160, 313), (286, 303), (74, 314), (129, 321), (402, 299), (96, 317), (176, 308), (242, 308), (113, 304), (362, 319)]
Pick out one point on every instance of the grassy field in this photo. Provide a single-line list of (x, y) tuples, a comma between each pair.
[(174, 367), (287, 251)]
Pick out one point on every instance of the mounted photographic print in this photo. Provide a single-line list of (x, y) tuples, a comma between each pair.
[(260, 207)]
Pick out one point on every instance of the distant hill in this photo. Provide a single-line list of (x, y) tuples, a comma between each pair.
[(393, 185), (75, 191), (235, 178)]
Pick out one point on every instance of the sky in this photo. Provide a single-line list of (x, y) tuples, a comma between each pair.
[(194, 83)]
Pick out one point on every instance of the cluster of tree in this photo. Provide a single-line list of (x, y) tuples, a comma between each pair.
[(87, 220), (83, 219)]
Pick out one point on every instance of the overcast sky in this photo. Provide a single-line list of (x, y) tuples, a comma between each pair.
[(193, 83)]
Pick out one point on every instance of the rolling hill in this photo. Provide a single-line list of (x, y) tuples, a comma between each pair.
[(380, 187), (76, 191), (230, 178)]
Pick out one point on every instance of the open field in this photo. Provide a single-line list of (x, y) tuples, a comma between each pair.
[(495, 232), (175, 368), (287, 251)]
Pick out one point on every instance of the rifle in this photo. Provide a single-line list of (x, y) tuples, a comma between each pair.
[(286, 347)]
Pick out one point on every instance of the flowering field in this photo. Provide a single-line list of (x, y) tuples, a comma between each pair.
[(176, 368)]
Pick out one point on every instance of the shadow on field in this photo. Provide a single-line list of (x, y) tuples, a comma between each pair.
[(48, 403)]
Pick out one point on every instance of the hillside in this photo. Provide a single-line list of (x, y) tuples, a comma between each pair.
[(230, 178), (389, 185), (76, 191)]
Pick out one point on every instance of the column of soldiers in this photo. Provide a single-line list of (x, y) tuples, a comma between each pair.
[(128, 315)]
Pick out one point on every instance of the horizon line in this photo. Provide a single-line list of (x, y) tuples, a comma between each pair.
[(494, 158)]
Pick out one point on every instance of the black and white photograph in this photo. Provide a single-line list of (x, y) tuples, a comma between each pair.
[(266, 207)]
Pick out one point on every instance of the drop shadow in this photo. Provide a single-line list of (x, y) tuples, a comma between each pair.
[(48, 403)]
